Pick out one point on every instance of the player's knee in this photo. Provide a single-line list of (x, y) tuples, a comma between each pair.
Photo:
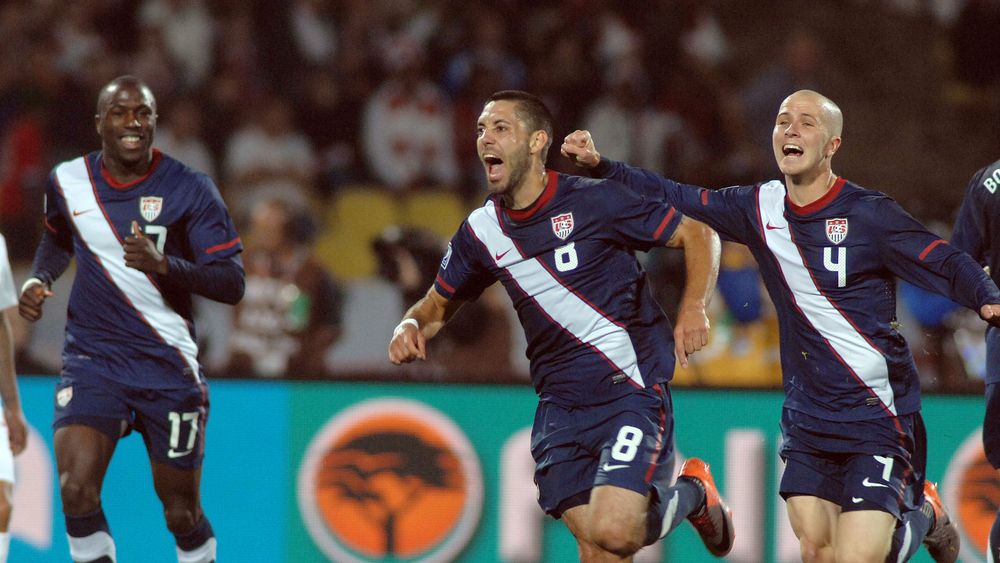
[(615, 537), (180, 519), (815, 552), (78, 497)]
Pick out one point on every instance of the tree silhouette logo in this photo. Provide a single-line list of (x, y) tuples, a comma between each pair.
[(972, 495), (390, 479)]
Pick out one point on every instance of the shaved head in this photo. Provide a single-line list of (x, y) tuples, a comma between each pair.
[(108, 92), (830, 112)]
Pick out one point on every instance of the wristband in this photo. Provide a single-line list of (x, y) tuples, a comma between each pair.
[(30, 282), (404, 322)]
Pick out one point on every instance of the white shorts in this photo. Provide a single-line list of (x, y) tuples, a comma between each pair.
[(6, 457)]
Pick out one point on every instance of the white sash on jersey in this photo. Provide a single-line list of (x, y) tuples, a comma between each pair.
[(564, 307), (101, 239), (860, 356)]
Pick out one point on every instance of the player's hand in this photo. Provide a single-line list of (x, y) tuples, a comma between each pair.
[(407, 344), (17, 428), (579, 147), (33, 296), (141, 253), (690, 332), (991, 314)]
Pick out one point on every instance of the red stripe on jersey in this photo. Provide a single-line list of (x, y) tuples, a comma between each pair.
[(223, 246), (664, 223), (445, 285), (929, 248)]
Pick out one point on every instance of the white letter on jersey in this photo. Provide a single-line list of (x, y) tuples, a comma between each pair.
[(160, 232), (992, 181), (566, 257), (840, 266)]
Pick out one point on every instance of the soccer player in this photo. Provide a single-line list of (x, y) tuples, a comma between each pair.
[(601, 350), (147, 233), (15, 428), (977, 231), (829, 251)]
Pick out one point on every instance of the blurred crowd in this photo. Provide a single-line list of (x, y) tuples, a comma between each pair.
[(296, 107)]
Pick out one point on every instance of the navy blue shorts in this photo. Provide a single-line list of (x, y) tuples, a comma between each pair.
[(172, 421), (628, 443), (861, 465)]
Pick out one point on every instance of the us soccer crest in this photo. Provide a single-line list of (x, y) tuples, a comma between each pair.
[(150, 207), (836, 230), (562, 225)]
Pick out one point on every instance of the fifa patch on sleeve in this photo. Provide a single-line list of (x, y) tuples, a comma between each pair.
[(447, 258)]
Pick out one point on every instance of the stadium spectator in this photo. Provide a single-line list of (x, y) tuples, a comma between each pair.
[(181, 136), (130, 360), (331, 118), (291, 313), (851, 387), (188, 32), (600, 347), (407, 131), (14, 431), (270, 158)]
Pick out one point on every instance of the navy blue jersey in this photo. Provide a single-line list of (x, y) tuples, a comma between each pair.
[(594, 331), (977, 231), (830, 269), (125, 323), (977, 228)]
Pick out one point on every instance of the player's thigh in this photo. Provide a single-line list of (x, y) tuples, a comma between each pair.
[(618, 511), (172, 423), (83, 454), (864, 535), (813, 519)]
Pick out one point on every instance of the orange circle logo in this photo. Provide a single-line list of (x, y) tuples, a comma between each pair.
[(971, 492), (390, 480)]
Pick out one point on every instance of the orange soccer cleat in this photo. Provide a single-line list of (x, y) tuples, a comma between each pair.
[(942, 540), (714, 522)]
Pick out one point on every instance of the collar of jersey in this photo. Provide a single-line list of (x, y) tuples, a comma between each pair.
[(820, 203), (157, 157), (543, 199)]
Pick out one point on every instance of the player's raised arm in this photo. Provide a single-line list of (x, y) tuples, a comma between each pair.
[(702, 252), (420, 323)]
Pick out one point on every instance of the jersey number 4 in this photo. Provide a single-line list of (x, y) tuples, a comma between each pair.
[(838, 264)]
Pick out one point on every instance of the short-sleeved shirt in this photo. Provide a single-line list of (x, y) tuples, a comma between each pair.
[(593, 329), (128, 325)]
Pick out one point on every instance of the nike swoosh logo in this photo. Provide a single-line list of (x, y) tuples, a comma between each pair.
[(608, 467), (172, 454), (499, 256), (856, 500), (868, 483), (78, 213), (771, 227)]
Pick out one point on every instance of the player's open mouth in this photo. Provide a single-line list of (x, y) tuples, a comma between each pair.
[(494, 166), (131, 141), (791, 150)]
